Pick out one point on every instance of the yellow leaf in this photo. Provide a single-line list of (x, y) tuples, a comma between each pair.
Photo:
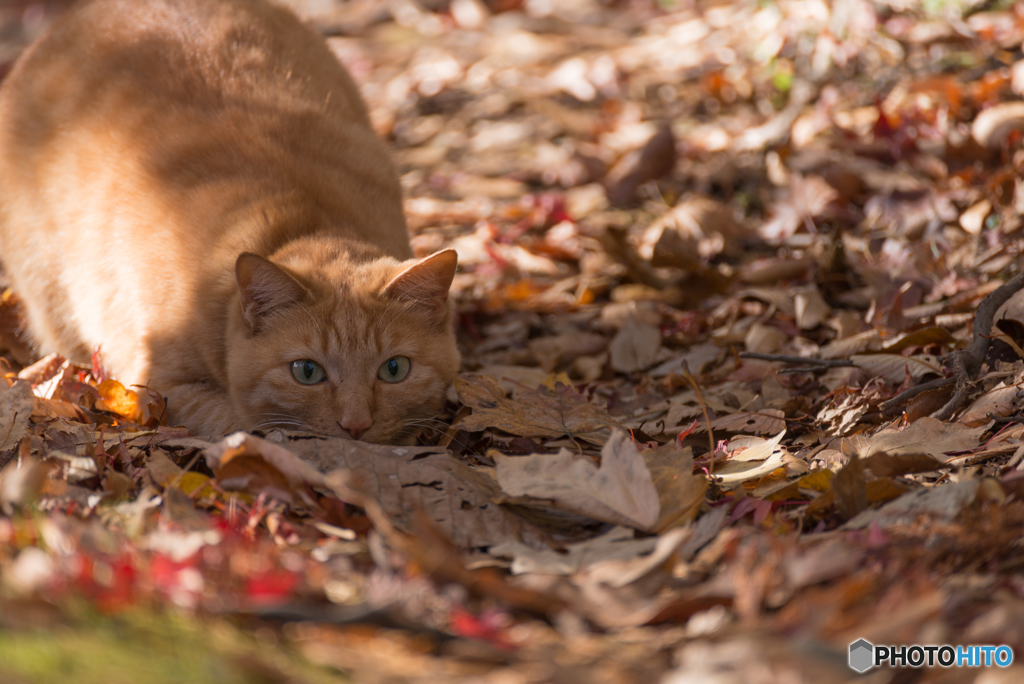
[(556, 378), (119, 400), (195, 484)]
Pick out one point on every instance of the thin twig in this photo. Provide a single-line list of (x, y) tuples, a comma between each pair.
[(703, 407), (965, 363), (785, 358), (912, 392)]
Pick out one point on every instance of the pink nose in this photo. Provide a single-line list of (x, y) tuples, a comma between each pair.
[(355, 428)]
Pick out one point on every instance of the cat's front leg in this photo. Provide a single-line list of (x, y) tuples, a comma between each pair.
[(204, 407)]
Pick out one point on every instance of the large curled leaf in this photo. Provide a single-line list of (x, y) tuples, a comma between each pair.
[(620, 491)]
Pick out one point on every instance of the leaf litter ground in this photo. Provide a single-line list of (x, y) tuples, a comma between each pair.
[(742, 371)]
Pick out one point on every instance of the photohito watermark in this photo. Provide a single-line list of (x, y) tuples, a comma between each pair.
[(864, 655)]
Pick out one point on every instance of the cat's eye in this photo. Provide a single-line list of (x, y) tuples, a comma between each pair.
[(307, 372), (395, 369)]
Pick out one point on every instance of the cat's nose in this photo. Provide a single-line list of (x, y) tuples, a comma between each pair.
[(355, 427)]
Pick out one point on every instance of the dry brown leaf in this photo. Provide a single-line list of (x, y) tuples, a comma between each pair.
[(406, 481), (998, 402), (43, 369), (698, 358), (618, 491), (533, 413), (850, 488), (680, 491), (654, 159), (635, 347), (550, 351), (16, 405), (694, 230), (919, 338), (973, 219), (808, 198), (810, 307), (514, 378), (624, 592), (894, 367), (923, 436), (894, 465), (992, 126), (46, 409), (943, 502), (740, 467), (764, 339), (618, 543), (767, 421), (162, 470), (244, 462)]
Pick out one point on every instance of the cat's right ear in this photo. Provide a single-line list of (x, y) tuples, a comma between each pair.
[(263, 287), (425, 283)]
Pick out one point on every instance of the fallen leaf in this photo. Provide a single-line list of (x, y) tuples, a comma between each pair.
[(850, 488), (695, 229), (894, 367), (943, 502), (408, 481), (767, 421), (619, 542), (680, 491), (739, 469), (543, 412), (808, 198), (16, 405), (618, 491), (992, 126), (635, 347), (810, 307), (923, 436), (550, 351), (998, 402), (652, 160), (244, 462), (893, 465), (973, 220)]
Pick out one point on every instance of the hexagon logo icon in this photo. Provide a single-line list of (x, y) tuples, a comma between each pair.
[(862, 655)]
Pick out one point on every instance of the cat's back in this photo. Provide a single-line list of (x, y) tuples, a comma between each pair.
[(144, 144), (181, 113)]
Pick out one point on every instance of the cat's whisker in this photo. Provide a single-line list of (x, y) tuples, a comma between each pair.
[(273, 422), (272, 414), (437, 427), (273, 425)]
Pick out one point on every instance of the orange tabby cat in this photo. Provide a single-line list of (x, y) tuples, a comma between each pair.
[(193, 187)]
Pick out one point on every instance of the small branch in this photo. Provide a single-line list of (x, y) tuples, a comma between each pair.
[(978, 349), (965, 363), (912, 392), (964, 380), (785, 358), (704, 407)]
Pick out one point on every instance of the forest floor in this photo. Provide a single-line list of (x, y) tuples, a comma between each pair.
[(741, 375)]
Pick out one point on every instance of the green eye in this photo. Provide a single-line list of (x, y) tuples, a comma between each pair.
[(307, 372), (395, 369)]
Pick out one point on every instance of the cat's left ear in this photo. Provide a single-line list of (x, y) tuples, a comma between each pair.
[(426, 282)]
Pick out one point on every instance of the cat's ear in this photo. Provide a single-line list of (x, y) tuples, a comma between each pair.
[(264, 286), (426, 282)]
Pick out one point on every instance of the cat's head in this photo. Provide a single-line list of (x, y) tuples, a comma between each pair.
[(340, 347)]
